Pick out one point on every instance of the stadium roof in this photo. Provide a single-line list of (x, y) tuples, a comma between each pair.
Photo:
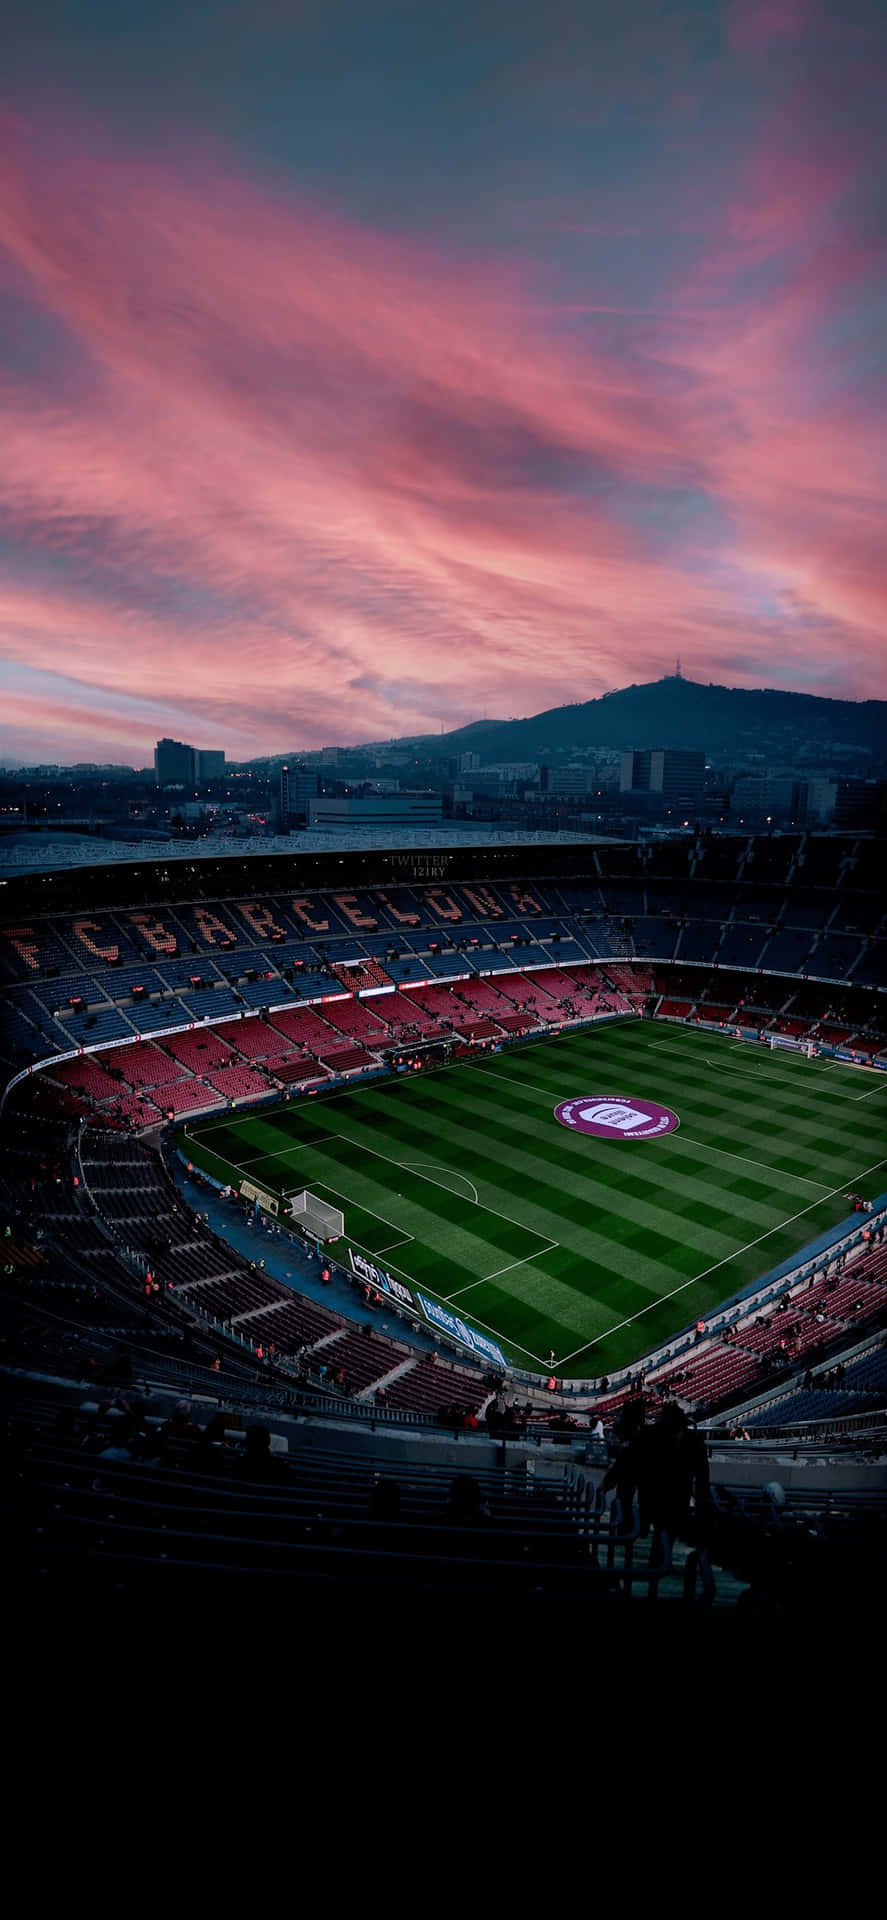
[(22, 853)]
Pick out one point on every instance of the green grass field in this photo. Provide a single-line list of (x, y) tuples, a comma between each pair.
[(461, 1180)]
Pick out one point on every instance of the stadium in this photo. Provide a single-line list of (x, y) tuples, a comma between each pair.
[(396, 1217)]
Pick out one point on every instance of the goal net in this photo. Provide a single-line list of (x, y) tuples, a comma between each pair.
[(317, 1217)]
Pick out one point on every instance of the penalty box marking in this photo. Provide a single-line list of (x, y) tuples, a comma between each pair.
[(393, 1224), (785, 1080), (405, 1168), (528, 1258), (652, 1304), (419, 1166), (767, 1074)]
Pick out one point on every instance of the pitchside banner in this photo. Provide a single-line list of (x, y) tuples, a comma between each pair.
[(262, 1199), (377, 1277), (457, 1330)]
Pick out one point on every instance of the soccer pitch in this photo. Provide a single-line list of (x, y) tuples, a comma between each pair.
[(463, 1182)]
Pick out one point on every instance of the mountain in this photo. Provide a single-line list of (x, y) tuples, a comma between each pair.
[(679, 713)]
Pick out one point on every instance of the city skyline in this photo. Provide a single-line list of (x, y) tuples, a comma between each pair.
[(366, 368)]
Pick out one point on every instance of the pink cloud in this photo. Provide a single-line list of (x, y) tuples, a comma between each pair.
[(756, 25), (299, 477)]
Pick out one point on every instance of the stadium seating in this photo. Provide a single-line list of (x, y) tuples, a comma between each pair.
[(136, 1110), (257, 1039), (524, 992), (156, 1016), (143, 1066), (209, 1003), (349, 1060), (186, 1096), (87, 1076), (729, 897), (298, 1070), (199, 1051), (356, 1019), (237, 1082)]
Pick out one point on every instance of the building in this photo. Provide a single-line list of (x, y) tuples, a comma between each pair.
[(282, 819), (174, 764), (820, 801), (566, 780), (670, 777), (330, 814), (298, 786), (764, 799), (468, 762), (210, 763), (861, 805)]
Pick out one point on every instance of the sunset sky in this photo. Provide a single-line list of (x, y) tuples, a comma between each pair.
[(372, 365)]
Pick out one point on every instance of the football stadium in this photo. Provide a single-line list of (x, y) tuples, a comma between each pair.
[(375, 1219)]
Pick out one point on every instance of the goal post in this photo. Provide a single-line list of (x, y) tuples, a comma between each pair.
[(316, 1217), (790, 1043)]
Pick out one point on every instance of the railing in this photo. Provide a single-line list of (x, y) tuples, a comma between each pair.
[(612, 1537), (840, 1426)]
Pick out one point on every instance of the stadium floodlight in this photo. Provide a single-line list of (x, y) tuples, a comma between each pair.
[(316, 1217)]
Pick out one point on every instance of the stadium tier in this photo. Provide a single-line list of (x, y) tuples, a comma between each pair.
[(605, 1134)]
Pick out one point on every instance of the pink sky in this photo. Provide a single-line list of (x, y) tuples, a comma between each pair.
[(275, 476)]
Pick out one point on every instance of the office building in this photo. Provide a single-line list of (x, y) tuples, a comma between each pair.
[(210, 763), (765, 799), (670, 777), (174, 764), (298, 785), (332, 815)]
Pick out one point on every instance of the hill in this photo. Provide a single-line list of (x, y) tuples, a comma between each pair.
[(679, 713)]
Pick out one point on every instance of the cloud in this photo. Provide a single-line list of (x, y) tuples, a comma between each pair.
[(757, 25), (292, 476)]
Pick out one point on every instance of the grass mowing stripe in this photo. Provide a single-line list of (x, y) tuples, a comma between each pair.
[(552, 1145), (690, 1197), (630, 1222), (876, 1166), (450, 1206)]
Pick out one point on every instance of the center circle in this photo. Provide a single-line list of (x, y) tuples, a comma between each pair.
[(616, 1116)]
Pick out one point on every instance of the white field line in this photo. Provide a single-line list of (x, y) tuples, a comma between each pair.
[(765, 1078), (851, 1066), (491, 1074), (297, 1147), (522, 1263), (767, 1074), (563, 1358), (406, 1241), (423, 1166), (495, 1332), (422, 1285), (393, 1224), (776, 1172), (405, 1168)]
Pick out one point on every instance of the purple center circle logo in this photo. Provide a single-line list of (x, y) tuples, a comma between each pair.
[(616, 1116)]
